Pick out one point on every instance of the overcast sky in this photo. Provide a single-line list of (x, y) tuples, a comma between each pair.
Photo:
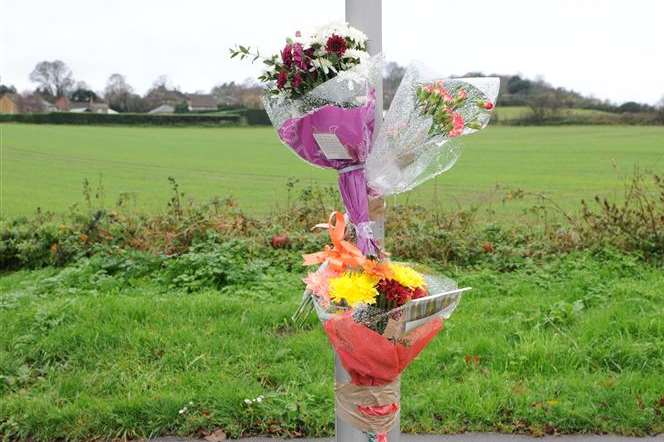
[(611, 49)]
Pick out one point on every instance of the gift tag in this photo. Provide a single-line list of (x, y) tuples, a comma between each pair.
[(332, 147)]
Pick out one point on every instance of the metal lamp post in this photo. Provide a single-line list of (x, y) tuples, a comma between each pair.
[(365, 15)]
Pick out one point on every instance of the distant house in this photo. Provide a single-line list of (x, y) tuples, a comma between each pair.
[(28, 103), (48, 107), (90, 106), (64, 105), (10, 104), (163, 109), (162, 95), (32, 103), (201, 102)]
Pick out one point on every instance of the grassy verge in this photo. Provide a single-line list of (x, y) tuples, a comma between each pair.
[(575, 344)]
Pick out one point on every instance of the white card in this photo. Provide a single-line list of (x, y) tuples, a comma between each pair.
[(332, 147)]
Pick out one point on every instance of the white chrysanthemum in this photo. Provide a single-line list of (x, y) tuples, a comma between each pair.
[(362, 56), (343, 29)]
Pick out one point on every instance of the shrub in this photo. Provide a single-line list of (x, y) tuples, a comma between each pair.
[(202, 241), (637, 224)]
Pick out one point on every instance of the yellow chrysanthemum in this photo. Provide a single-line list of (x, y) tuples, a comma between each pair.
[(355, 288), (407, 276)]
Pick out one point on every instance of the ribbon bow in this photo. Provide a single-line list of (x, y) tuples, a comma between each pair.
[(342, 254)]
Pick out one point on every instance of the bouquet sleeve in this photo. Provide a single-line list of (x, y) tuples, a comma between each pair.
[(343, 107), (419, 138)]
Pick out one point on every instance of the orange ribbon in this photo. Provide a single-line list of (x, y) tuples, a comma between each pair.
[(342, 254)]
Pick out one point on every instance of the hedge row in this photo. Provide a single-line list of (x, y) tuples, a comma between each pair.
[(257, 117), (124, 119)]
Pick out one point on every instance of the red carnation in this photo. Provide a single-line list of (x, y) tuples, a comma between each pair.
[(394, 292), (419, 293), (282, 79), (336, 44), (488, 105)]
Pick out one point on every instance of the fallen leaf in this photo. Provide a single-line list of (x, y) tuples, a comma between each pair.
[(216, 436)]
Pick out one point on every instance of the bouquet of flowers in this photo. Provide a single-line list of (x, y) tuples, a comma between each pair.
[(419, 138), (303, 64), (378, 315), (321, 98)]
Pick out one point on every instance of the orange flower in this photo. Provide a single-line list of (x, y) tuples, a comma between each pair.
[(342, 254), (378, 269)]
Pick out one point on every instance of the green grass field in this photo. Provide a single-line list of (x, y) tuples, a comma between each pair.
[(44, 166), (574, 345)]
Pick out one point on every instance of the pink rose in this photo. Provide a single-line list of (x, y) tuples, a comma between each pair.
[(462, 94)]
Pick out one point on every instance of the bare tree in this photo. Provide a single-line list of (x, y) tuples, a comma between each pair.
[(163, 92), (118, 93), (30, 102), (545, 105), (53, 77), (162, 82), (227, 94)]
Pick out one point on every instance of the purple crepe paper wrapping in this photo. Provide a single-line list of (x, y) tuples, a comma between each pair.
[(354, 128)]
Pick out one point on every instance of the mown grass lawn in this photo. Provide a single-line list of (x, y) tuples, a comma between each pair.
[(44, 166), (572, 345)]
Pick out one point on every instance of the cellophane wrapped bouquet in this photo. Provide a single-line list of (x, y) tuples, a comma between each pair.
[(378, 314), (321, 99)]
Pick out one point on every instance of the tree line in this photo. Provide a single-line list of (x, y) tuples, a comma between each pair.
[(544, 100), (55, 79)]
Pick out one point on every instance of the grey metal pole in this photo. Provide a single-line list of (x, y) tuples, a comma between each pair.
[(365, 15)]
